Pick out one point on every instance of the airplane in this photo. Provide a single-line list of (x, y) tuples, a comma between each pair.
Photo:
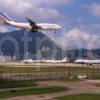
[(86, 61), (27, 61), (65, 60), (31, 26)]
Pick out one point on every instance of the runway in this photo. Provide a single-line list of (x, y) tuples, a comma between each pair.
[(38, 64), (17, 64)]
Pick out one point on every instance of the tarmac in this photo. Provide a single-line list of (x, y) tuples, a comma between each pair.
[(18, 64)]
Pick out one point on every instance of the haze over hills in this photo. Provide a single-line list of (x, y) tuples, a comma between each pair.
[(21, 44)]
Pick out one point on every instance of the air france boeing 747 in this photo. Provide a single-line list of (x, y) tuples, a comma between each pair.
[(31, 26)]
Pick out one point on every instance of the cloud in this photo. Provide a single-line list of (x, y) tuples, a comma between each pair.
[(37, 9), (76, 38), (3, 29), (52, 2), (95, 9)]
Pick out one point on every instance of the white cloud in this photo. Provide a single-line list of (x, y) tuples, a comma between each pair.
[(3, 29), (95, 9), (51, 2), (41, 9), (76, 38)]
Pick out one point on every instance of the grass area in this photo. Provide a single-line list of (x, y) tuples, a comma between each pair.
[(69, 80), (95, 77), (13, 84), (92, 73), (81, 97), (97, 85), (8, 69), (34, 91)]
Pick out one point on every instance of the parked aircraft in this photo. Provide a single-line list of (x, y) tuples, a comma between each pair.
[(27, 61), (86, 61), (31, 26), (65, 60)]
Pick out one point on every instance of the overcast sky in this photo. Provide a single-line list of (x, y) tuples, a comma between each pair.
[(80, 19)]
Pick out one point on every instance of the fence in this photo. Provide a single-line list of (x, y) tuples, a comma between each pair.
[(12, 74)]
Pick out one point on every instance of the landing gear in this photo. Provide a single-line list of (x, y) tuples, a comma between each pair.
[(34, 30)]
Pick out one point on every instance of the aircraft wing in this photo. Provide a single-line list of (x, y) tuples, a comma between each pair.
[(31, 22), (34, 26)]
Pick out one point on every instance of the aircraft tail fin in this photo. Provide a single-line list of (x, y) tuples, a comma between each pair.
[(65, 59), (7, 17)]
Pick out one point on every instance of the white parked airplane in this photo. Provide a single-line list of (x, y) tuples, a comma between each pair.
[(65, 60), (32, 26), (27, 61), (86, 61)]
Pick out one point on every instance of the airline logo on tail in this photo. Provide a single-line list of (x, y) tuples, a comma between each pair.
[(3, 20)]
